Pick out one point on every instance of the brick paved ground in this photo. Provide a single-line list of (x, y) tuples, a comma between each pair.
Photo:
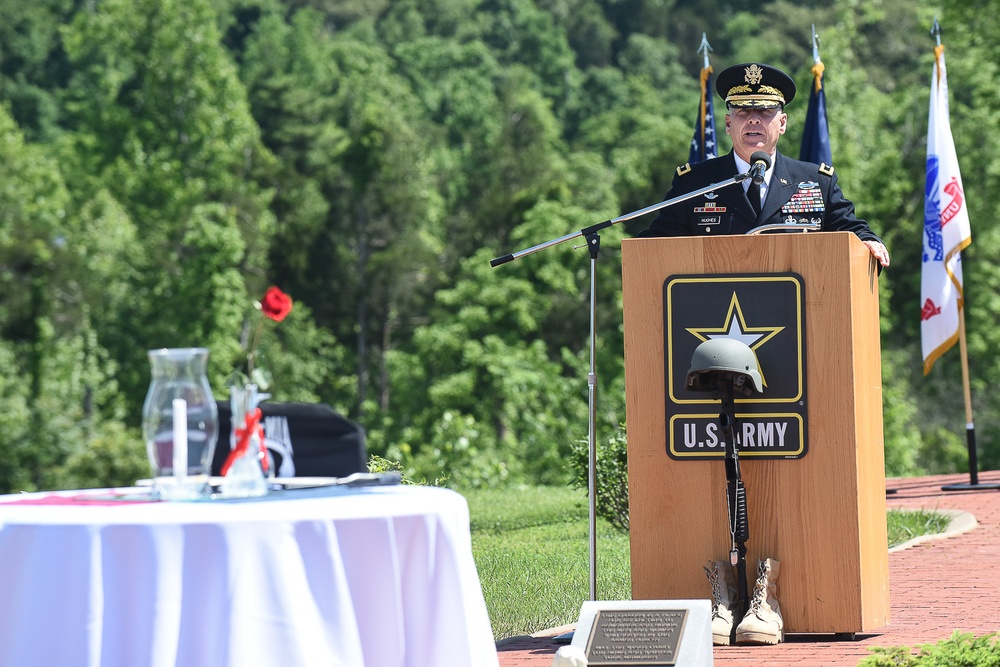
[(935, 588)]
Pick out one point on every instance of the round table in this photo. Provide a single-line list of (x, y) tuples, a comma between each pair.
[(379, 576)]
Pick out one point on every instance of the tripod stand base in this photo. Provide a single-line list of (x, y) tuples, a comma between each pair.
[(978, 486)]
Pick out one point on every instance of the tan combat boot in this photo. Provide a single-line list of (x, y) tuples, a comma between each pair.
[(762, 623), (724, 600)]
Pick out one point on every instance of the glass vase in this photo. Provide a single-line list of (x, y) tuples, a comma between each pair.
[(244, 474), (180, 423)]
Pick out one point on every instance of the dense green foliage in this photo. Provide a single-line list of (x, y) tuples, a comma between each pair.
[(610, 476), (164, 161)]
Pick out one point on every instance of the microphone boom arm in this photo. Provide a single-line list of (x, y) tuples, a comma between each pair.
[(587, 231)]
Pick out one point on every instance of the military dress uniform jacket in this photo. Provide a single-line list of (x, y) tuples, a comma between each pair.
[(799, 192)]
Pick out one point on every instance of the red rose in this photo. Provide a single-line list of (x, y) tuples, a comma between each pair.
[(276, 304)]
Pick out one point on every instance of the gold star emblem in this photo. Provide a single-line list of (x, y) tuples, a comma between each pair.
[(753, 75), (735, 327)]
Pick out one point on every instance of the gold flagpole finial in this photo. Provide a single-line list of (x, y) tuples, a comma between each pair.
[(939, 47), (817, 68)]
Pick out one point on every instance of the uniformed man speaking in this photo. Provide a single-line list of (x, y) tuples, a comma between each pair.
[(791, 192)]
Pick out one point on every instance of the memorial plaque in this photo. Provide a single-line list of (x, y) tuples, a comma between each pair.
[(635, 637)]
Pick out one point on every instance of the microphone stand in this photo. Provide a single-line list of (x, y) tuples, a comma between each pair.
[(594, 246)]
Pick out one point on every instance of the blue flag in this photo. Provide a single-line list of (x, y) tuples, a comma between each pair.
[(703, 145), (816, 136)]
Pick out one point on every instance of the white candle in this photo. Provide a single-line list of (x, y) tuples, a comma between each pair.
[(180, 438)]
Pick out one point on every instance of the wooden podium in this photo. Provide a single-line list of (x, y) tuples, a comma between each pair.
[(823, 515)]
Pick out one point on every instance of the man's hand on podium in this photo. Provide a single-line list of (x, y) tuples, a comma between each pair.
[(878, 251)]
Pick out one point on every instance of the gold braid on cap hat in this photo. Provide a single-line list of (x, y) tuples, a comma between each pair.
[(745, 95)]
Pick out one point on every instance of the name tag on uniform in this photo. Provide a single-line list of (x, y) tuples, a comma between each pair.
[(710, 214)]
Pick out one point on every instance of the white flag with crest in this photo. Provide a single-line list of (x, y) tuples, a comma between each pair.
[(946, 228)]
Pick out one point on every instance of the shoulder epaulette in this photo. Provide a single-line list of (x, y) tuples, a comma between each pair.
[(826, 169), (684, 168)]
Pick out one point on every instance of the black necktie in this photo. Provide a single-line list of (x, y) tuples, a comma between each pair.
[(753, 194)]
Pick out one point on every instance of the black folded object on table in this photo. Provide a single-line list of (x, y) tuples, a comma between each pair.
[(322, 442)]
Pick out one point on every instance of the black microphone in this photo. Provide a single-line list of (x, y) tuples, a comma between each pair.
[(759, 163)]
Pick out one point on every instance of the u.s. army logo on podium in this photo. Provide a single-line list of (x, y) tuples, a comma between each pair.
[(767, 313)]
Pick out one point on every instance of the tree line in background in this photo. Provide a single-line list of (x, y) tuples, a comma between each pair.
[(163, 161)]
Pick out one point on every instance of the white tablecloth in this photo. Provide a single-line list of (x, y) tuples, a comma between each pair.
[(380, 577)]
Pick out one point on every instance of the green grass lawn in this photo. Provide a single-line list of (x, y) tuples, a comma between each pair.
[(532, 550), (532, 546), (904, 526)]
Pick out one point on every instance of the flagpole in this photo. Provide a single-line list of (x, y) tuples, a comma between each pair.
[(815, 146), (704, 48), (970, 427), (703, 144)]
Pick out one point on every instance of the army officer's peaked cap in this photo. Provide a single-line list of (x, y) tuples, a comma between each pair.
[(754, 85)]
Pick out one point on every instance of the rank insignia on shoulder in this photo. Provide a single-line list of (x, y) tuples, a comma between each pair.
[(684, 168), (826, 169)]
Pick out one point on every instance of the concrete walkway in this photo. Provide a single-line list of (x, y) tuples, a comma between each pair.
[(936, 586)]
